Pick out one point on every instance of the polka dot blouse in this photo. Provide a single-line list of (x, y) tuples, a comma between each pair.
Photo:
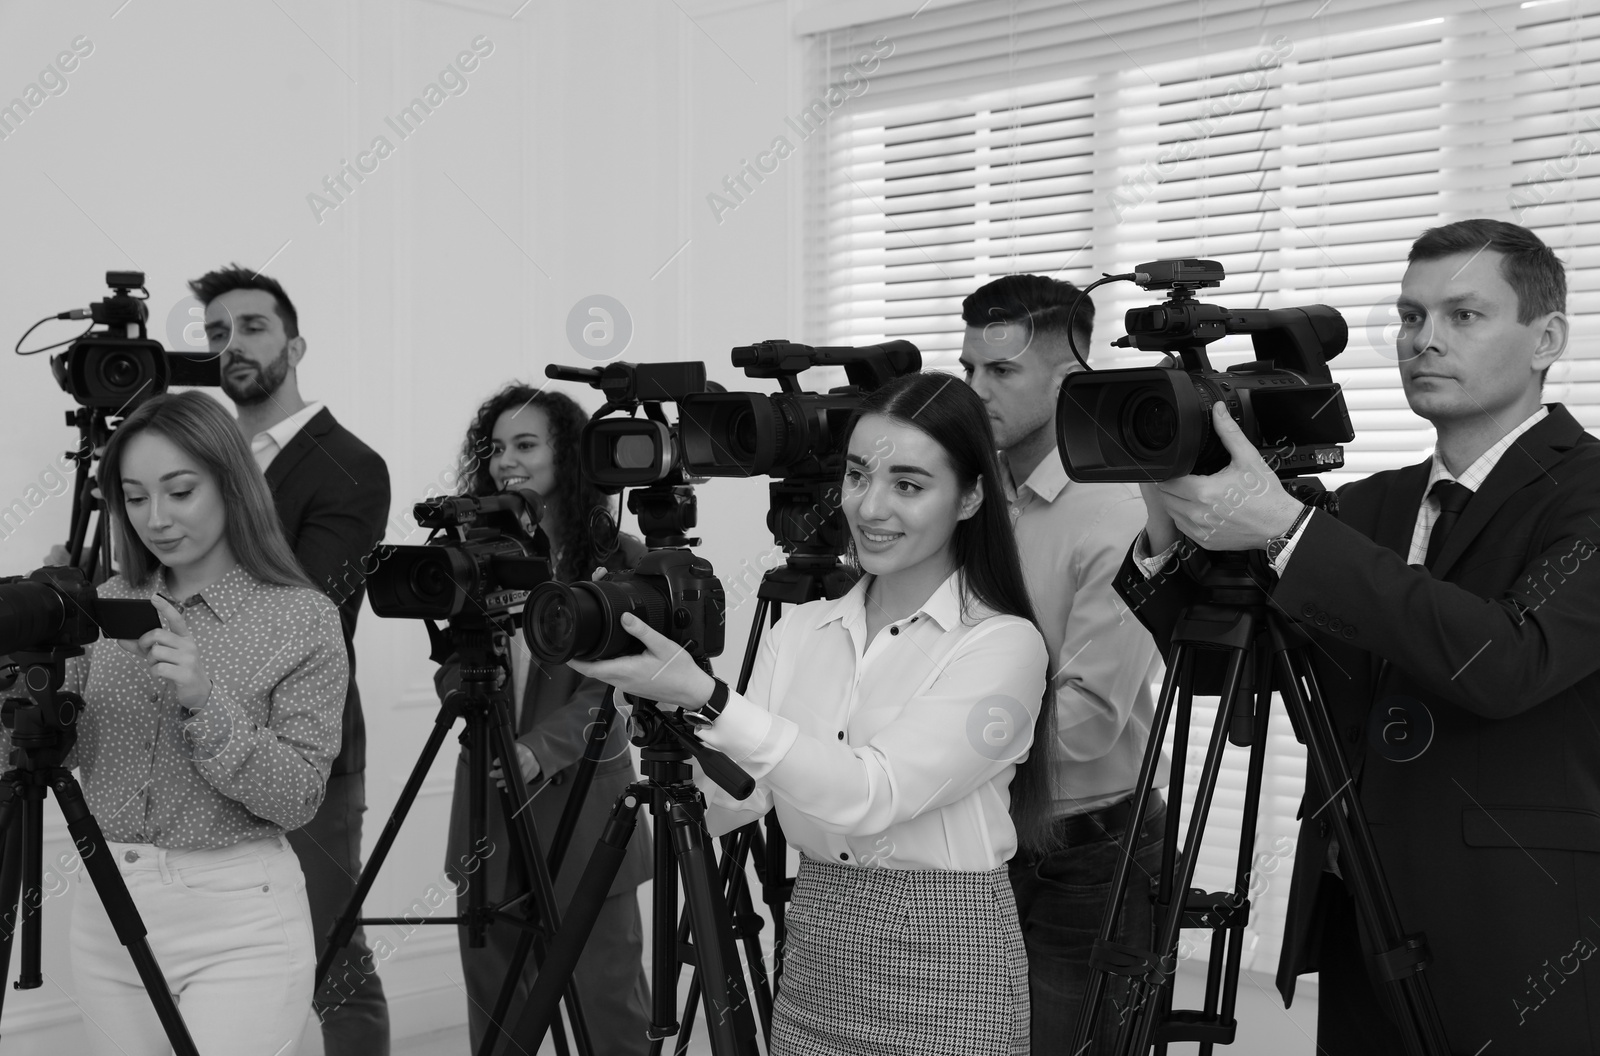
[(253, 760)]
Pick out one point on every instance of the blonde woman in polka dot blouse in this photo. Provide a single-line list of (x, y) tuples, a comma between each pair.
[(203, 742)]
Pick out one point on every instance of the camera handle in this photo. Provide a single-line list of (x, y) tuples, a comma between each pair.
[(43, 732), (1265, 652)]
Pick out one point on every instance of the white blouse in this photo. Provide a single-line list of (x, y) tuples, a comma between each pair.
[(896, 755)]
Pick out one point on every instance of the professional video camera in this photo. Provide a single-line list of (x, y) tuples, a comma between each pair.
[(57, 608), (110, 371), (673, 590), (118, 367), (793, 435), (1154, 423), (485, 568)]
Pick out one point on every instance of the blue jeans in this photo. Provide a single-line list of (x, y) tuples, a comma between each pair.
[(1061, 899)]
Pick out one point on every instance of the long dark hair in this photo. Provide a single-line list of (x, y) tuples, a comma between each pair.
[(201, 429), (584, 511), (985, 549)]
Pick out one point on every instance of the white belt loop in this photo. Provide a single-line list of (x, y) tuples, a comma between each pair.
[(161, 861)]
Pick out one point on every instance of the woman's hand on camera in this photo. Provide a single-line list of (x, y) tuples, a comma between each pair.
[(171, 652), (664, 672)]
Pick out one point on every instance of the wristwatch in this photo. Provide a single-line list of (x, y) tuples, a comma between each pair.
[(1276, 544), (711, 710)]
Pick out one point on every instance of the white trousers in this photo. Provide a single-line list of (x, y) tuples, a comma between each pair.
[(231, 930)]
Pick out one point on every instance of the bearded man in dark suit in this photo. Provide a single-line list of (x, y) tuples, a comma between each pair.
[(1454, 616), (332, 495)]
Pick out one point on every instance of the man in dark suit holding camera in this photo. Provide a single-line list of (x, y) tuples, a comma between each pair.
[(332, 495), (1454, 616)]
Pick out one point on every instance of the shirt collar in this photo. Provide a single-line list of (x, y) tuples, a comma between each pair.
[(1479, 471), (1048, 478), (284, 431), (225, 598), (943, 605)]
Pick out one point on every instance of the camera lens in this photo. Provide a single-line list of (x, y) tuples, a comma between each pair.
[(120, 371), (430, 581), (742, 434), (1150, 423), (633, 452), (561, 621)]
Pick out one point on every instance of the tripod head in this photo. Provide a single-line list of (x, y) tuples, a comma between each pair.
[(667, 740), (43, 722)]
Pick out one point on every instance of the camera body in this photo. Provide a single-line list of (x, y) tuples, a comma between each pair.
[(117, 368), (56, 607), (486, 568), (674, 591), (1154, 423), (793, 435)]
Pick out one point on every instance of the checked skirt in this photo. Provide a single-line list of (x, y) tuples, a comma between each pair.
[(901, 962)]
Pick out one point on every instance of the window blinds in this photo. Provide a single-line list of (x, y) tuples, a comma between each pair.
[(1302, 144)]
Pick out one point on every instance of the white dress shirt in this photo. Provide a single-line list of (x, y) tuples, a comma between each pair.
[(898, 754), (266, 444), (1072, 538)]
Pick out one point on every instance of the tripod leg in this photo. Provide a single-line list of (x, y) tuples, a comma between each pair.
[(728, 1015), (124, 915), (1088, 1017), (556, 971), (345, 926), (1401, 958), (1172, 922), (525, 846), (10, 882)]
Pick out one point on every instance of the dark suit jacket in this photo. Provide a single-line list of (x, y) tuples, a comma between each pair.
[(1490, 839), (332, 495), (558, 708)]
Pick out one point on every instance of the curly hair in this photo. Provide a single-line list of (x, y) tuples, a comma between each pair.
[(588, 522)]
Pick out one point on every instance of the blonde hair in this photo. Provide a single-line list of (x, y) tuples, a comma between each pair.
[(201, 429)]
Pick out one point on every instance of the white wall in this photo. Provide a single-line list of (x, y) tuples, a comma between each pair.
[(576, 162)]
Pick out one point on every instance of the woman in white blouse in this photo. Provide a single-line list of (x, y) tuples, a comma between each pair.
[(892, 729)]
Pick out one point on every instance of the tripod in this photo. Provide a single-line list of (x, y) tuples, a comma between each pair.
[(1264, 652), (480, 644), (43, 729), (682, 849), (92, 553)]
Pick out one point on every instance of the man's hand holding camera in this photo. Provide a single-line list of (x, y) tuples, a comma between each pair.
[(1239, 507)]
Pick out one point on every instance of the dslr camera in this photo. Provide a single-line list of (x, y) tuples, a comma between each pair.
[(1154, 423)]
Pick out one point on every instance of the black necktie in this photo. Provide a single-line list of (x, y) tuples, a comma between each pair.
[(1452, 500)]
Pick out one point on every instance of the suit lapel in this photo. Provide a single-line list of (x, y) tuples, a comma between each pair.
[(1524, 462), (299, 446)]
